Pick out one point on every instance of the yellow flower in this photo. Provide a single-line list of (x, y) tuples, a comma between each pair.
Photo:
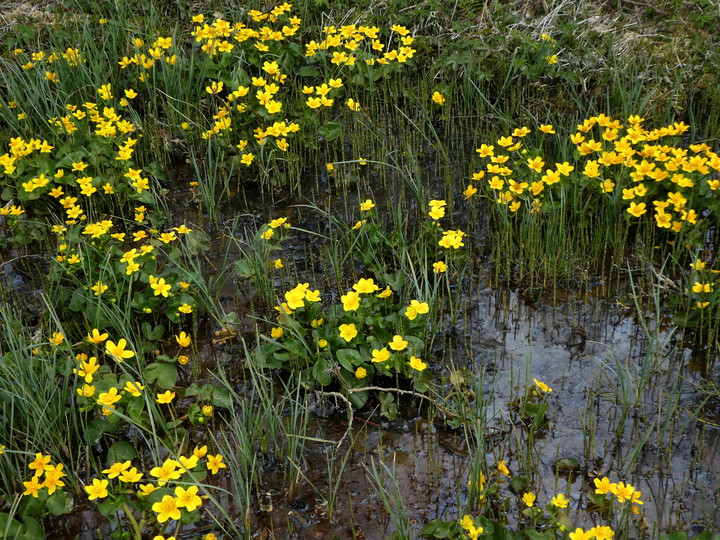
[(438, 98), (168, 471), (146, 489), (166, 397), (350, 301), (360, 373), (133, 388), (398, 343), (386, 293), (107, 400), (130, 476), (367, 205), (277, 332), (33, 486), (560, 501), (118, 351), (416, 308), (96, 337), (87, 390), (503, 468), (214, 88), (579, 534), (215, 463), (57, 338), (275, 223), (702, 287), (366, 286), (624, 492), (439, 267), (167, 509), (40, 463), (247, 159), (529, 499), (187, 499), (637, 210), (160, 287), (183, 339), (98, 489), (381, 355), (116, 469), (542, 386), (417, 364), (348, 331), (470, 191), (185, 308), (601, 533)]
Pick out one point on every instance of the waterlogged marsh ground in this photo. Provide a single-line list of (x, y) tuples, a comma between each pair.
[(346, 191), (585, 343)]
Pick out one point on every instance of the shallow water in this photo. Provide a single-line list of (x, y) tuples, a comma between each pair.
[(622, 405)]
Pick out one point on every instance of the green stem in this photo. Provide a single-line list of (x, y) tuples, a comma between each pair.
[(137, 529)]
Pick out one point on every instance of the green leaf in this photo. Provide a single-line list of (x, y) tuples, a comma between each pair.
[(109, 506), (415, 345), (359, 399), (349, 359), (330, 131), (535, 535), (164, 374), (7, 194), (321, 372), (519, 484), (152, 334), (77, 301), (566, 464), (679, 535), (121, 451), (197, 241), (95, 429), (221, 398), (308, 71), (59, 503), (203, 393), (9, 527), (135, 408), (30, 530)]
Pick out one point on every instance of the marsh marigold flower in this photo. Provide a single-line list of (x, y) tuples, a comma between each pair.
[(542, 386), (166, 397), (367, 205), (416, 308), (215, 463), (167, 509), (183, 339), (398, 343), (417, 364), (118, 351), (98, 489), (348, 331)]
